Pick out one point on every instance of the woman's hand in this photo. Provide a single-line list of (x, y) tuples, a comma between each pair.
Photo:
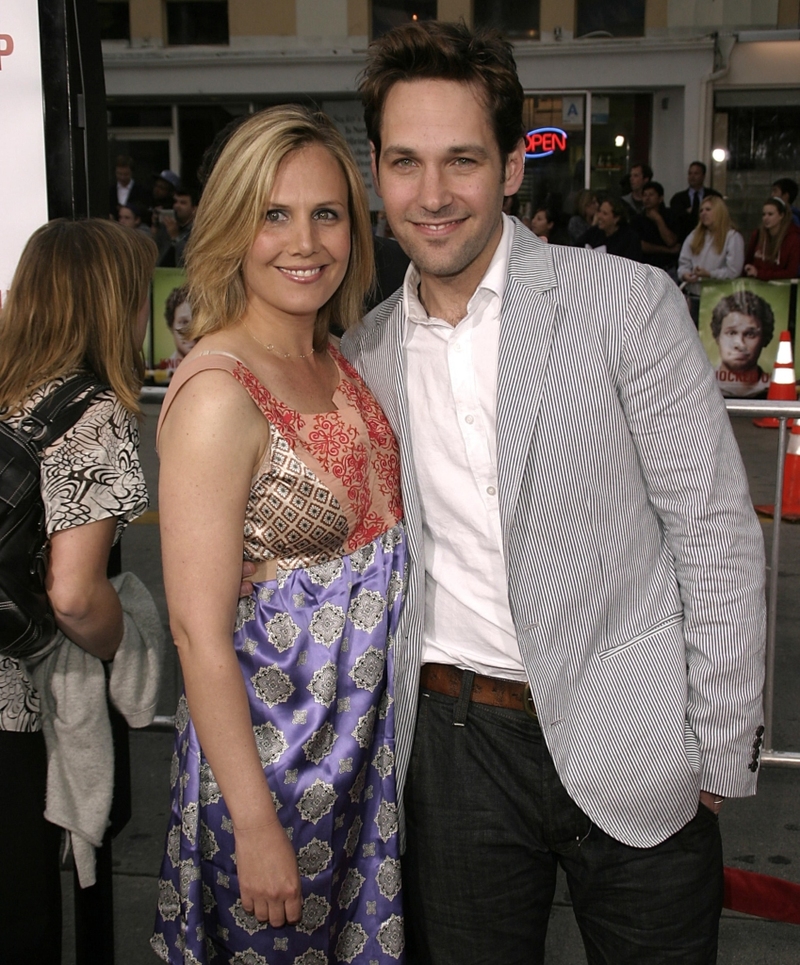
[(751, 271), (269, 882), (702, 273)]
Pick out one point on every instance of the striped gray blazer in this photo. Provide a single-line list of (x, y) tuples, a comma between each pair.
[(635, 561)]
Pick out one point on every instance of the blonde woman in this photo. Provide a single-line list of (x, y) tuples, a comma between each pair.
[(774, 249), (715, 249), (282, 844), (78, 304)]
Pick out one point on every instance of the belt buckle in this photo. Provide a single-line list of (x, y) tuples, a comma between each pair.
[(527, 702)]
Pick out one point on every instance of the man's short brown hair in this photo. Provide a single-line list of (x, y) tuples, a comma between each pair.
[(433, 50)]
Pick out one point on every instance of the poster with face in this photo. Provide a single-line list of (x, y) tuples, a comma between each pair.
[(172, 316), (740, 324)]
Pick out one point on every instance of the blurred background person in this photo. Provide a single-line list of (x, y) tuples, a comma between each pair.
[(130, 216), (638, 176), (786, 190), (611, 232), (657, 230), (543, 223), (586, 205), (125, 190), (78, 304), (175, 228), (715, 249), (774, 248), (685, 205), (742, 324)]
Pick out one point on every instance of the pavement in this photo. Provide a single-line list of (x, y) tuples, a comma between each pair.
[(759, 834)]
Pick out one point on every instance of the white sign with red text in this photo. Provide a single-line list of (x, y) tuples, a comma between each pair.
[(23, 180)]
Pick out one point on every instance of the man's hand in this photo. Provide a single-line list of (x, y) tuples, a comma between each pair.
[(711, 801), (248, 569)]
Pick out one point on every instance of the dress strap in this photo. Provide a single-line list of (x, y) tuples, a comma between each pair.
[(187, 370)]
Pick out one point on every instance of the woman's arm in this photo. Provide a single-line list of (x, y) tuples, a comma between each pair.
[(685, 266), (210, 442), (85, 604)]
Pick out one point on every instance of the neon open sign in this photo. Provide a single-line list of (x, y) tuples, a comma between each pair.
[(545, 141)]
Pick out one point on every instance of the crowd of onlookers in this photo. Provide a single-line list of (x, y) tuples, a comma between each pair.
[(691, 238), (164, 211)]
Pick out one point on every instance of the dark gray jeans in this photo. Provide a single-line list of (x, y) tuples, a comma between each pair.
[(488, 823)]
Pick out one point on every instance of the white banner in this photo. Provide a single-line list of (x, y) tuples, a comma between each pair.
[(23, 180)]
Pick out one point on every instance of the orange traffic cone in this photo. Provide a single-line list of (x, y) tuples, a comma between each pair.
[(790, 502), (783, 385)]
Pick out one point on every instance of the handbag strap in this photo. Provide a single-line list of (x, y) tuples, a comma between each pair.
[(59, 411)]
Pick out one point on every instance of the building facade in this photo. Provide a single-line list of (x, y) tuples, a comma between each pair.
[(658, 81)]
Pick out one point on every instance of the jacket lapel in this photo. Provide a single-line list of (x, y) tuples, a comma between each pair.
[(526, 336)]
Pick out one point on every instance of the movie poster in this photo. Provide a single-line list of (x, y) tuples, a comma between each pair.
[(740, 326), (171, 317)]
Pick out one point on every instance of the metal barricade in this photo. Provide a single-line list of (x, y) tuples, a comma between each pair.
[(782, 411)]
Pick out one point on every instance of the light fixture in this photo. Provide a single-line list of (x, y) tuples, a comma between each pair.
[(719, 154), (619, 140)]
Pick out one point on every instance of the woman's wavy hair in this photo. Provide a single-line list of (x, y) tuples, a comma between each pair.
[(719, 232), (769, 246), (434, 50), (231, 214), (74, 302)]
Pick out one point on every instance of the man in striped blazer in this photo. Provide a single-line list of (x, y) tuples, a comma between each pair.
[(580, 665)]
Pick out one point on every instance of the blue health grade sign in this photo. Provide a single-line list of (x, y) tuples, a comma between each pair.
[(545, 141)]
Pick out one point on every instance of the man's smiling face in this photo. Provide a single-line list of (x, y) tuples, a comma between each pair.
[(442, 177)]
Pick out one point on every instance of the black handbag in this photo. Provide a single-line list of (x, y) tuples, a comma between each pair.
[(26, 619)]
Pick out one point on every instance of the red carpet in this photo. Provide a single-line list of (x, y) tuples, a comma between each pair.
[(762, 895)]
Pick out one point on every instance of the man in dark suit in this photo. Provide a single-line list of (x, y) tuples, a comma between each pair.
[(125, 190), (685, 205), (579, 666)]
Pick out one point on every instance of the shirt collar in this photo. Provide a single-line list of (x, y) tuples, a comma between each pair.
[(493, 283)]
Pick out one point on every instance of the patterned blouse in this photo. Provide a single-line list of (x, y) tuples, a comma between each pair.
[(92, 472)]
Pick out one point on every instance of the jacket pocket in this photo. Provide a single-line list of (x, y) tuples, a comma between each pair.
[(664, 624)]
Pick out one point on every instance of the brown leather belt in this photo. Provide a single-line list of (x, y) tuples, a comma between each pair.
[(494, 691)]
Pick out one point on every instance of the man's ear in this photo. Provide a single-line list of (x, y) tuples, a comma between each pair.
[(373, 161), (515, 169)]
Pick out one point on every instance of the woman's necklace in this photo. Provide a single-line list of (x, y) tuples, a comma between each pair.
[(275, 351)]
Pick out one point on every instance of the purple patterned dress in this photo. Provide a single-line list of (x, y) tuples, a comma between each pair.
[(315, 649)]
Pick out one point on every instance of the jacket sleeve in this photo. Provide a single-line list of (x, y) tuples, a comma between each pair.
[(788, 263), (697, 485)]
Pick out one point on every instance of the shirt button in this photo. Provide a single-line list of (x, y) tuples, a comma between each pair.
[(469, 419), (491, 490)]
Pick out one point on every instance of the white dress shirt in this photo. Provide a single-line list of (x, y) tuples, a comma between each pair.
[(452, 394)]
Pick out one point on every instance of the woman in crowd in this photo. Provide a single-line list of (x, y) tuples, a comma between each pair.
[(715, 249), (774, 249), (130, 216), (282, 844), (78, 304), (612, 233), (586, 205)]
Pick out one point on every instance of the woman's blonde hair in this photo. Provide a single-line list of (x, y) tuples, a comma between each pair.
[(769, 246), (76, 296), (231, 214), (719, 232)]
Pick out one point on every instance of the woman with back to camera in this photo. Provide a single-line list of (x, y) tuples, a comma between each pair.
[(586, 206), (774, 249), (78, 304), (715, 249), (284, 753)]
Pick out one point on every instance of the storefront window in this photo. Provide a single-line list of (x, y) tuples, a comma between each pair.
[(554, 166), (621, 126), (391, 13), (512, 18), (197, 22), (610, 18), (115, 20), (761, 132)]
